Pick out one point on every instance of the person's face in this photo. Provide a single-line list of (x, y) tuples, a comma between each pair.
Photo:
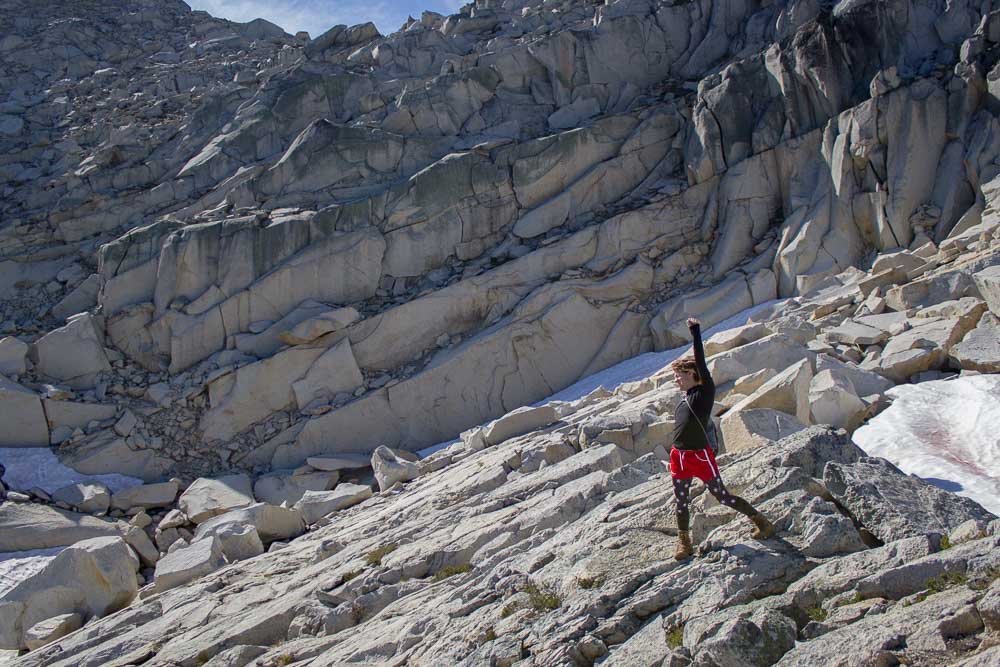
[(685, 379)]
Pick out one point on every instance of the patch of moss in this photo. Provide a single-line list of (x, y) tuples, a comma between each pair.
[(946, 581), (488, 636), (375, 556), (589, 582), (451, 571), (675, 638), (509, 609), (347, 576), (817, 614), (542, 598)]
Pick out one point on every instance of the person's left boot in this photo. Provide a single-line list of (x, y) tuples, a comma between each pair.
[(763, 528)]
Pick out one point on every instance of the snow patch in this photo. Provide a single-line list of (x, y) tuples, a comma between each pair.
[(944, 432), (28, 467)]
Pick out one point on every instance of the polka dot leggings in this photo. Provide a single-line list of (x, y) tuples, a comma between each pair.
[(682, 493)]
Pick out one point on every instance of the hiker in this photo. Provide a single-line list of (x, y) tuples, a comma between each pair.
[(692, 455)]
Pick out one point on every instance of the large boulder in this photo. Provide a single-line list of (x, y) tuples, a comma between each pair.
[(47, 631), (22, 417), (314, 505), (237, 539), (924, 347), (774, 351), (146, 496), (520, 421), (206, 498), (272, 523), (752, 428), (893, 505), (94, 577), (833, 400), (89, 497), (29, 526), (282, 489), (855, 333), (788, 391), (390, 468), (73, 354), (980, 349), (935, 289), (13, 354), (732, 338), (182, 566), (988, 282), (865, 382)]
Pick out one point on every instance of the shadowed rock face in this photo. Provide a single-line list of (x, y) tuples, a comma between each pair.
[(509, 199)]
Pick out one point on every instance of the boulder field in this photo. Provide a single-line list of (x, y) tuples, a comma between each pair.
[(316, 294)]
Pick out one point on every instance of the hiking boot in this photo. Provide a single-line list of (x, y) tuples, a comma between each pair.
[(683, 550), (764, 528)]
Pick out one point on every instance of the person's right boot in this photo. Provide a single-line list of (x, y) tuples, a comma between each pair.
[(683, 550), (763, 528)]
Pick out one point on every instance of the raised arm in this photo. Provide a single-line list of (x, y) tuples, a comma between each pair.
[(699, 350)]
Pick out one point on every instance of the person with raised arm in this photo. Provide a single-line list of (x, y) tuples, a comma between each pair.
[(692, 454)]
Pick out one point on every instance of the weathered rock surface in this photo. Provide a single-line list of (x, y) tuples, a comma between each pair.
[(92, 577), (206, 498), (88, 498), (980, 349), (147, 496), (391, 469), (29, 526), (22, 415), (316, 504), (187, 564)]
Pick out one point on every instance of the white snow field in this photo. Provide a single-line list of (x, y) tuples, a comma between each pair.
[(946, 432), (28, 467)]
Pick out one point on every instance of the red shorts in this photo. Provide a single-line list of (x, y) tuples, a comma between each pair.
[(688, 463)]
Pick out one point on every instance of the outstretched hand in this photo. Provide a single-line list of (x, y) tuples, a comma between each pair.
[(693, 322)]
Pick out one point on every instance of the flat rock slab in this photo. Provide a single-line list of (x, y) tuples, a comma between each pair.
[(316, 504), (146, 496), (855, 333), (206, 498), (519, 422), (28, 526), (272, 523), (343, 462), (178, 568)]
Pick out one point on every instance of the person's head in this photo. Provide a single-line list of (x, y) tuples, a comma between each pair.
[(686, 373)]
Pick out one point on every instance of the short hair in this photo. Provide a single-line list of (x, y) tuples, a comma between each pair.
[(686, 365)]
